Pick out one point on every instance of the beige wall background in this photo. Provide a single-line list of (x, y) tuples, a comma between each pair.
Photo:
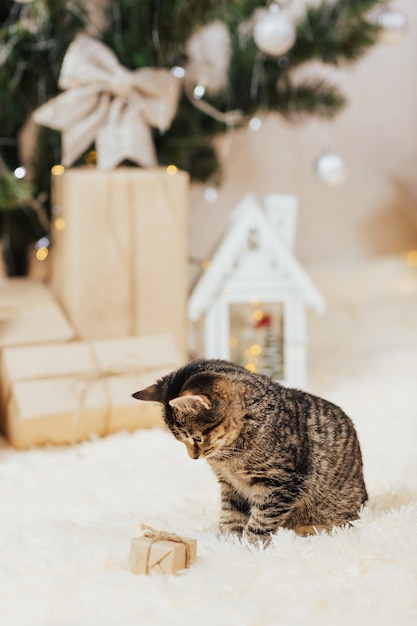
[(374, 212)]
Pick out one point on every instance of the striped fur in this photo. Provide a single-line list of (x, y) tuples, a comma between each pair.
[(282, 457)]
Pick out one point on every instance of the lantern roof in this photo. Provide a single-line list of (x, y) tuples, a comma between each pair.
[(251, 226)]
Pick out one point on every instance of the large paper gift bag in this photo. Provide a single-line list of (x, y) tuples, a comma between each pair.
[(119, 264), (159, 552), (29, 314), (63, 393)]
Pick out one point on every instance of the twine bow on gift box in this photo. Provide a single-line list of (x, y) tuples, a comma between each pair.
[(106, 103), (160, 535)]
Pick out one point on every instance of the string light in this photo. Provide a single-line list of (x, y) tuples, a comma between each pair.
[(43, 242), (57, 170), (91, 157), (41, 247), (41, 254), (255, 349), (172, 170), (178, 71), (283, 62), (255, 123), (251, 367), (257, 315), (205, 264), (59, 223), (210, 194), (20, 172), (199, 92), (411, 257)]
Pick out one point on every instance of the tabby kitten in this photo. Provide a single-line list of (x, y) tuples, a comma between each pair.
[(283, 457)]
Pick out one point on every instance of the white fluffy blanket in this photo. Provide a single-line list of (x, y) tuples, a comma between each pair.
[(68, 514)]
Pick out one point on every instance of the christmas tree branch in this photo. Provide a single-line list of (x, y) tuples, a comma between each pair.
[(34, 38), (14, 193), (335, 33), (310, 97)]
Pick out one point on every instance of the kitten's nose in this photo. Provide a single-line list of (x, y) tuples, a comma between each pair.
[(193, 451)]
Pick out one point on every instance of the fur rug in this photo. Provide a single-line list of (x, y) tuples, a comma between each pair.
[(68, 513)]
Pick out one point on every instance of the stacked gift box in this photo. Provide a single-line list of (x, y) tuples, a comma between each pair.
[(29, 314), (119, 260), (65, 392), (112, 319)]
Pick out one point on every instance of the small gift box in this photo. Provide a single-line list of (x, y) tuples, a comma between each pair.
[(29, 314), (63, 393), (161, 553)]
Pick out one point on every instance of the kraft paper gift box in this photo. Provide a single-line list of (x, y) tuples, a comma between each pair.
[(119, 260), (161, 553), (63, 393), (30, 314)]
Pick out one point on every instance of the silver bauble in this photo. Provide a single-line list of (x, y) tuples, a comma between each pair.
[(274, 33), (331, 168), (393, 25)]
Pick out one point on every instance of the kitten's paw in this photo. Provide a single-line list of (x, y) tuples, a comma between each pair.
[(255, 538), (226, 530), (306, 531)]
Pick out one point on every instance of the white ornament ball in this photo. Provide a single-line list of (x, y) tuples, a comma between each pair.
[(274, 33), (393, 25), (331, 168)]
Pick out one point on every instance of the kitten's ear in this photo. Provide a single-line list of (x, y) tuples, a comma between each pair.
[(190, 403), (151, 394)]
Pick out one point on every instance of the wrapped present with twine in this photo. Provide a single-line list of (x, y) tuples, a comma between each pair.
[(29, 314), (122, 280), (64, 393), (159, 552)]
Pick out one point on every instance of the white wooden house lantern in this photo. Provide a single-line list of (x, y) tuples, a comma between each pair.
[(249, 305)]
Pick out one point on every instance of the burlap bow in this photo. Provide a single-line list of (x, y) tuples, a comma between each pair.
[(106, 103)]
